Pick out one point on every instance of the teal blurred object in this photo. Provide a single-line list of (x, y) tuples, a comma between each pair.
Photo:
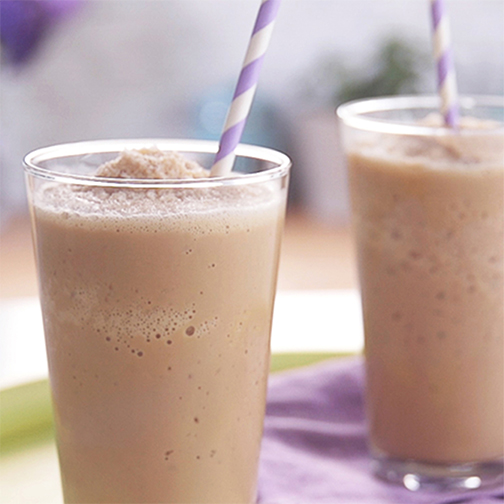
[(265, 125)]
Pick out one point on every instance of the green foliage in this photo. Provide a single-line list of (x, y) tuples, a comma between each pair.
[(396, 67), (396, 72)]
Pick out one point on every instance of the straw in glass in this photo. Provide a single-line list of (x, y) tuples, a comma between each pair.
[(245, 88), (447, 84)]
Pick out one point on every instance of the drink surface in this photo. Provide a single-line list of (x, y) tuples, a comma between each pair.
[(428, 216), (157, 312)]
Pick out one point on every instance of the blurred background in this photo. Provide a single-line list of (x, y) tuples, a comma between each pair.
[(88, 69)]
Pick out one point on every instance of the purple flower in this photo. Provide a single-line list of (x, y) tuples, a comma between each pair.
[(25, 23)]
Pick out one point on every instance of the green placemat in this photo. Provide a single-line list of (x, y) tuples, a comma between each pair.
[(284, 361), (26, 415)]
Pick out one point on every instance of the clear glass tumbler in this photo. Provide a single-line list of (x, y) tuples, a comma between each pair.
[(428, 216), (157, 298)]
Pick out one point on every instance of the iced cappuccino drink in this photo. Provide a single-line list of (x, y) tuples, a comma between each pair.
[(157, 286), (428, 212)]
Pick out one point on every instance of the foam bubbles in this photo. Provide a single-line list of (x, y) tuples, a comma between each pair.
[(198, 212), (136, 328)]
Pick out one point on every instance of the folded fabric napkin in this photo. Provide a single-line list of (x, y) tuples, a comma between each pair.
[(314, 447)]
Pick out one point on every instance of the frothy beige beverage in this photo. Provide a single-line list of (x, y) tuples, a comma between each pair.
[(428, 215), (157, 308)]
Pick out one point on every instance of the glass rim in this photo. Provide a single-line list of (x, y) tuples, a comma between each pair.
[(353, 114), (32, 160)]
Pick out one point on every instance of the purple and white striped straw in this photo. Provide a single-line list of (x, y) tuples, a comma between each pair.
[(447, 84), (245, 88)]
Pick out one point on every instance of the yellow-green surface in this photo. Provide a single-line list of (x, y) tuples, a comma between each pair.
[(281, 362), (26, 416), (29, 472)]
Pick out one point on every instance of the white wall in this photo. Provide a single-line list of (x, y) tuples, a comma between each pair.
[(124, 68)]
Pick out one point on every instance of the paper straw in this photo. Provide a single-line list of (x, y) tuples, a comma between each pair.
[(245, 88), (447, 84)]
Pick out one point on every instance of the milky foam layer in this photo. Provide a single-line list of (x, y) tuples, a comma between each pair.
[(156, 209), (478, 145), (151, 163), (197, 209)]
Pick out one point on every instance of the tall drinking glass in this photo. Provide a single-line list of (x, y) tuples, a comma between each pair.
[(157, 298), (428, 210)]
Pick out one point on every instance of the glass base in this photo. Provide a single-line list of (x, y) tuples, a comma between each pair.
[(417, 476)]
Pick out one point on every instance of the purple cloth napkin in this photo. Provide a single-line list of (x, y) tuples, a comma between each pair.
[(314, 447)]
